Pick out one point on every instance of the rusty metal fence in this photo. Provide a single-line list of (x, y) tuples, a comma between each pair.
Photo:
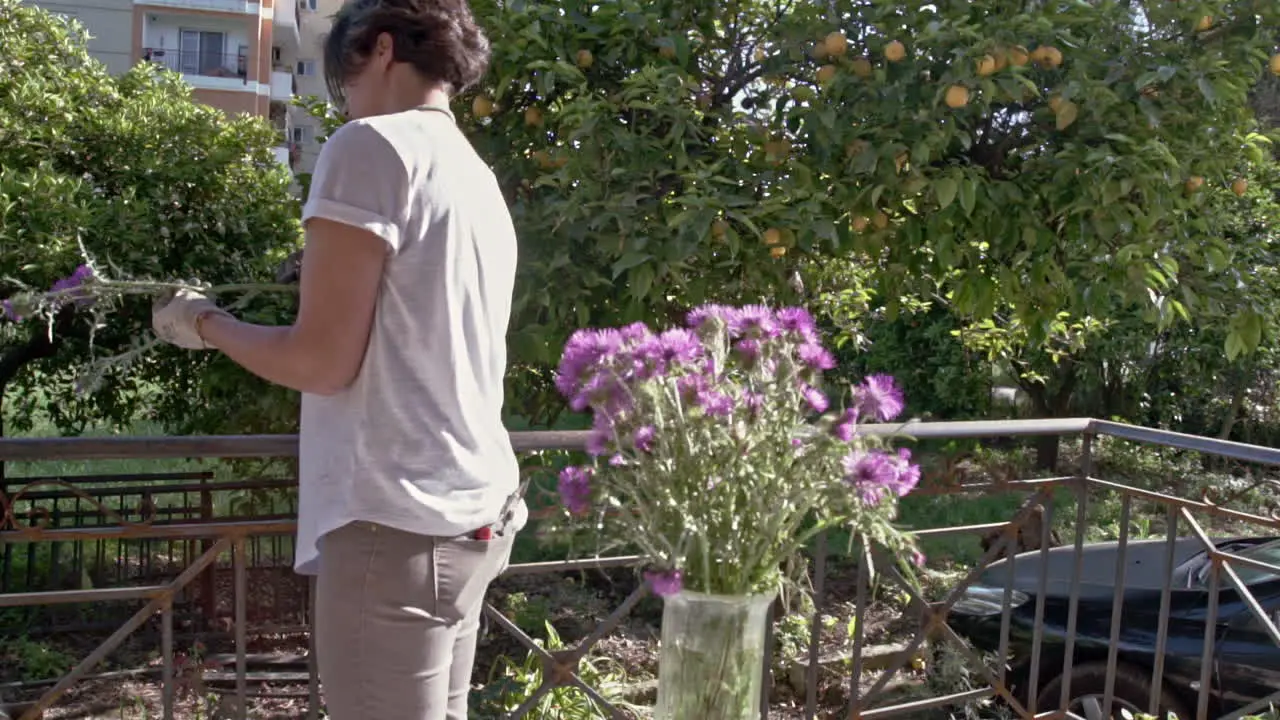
[(1043, 630)]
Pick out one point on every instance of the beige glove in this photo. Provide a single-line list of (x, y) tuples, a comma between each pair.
[(174, 317)]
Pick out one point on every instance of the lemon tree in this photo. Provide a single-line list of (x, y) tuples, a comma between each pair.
[(1041, 163)]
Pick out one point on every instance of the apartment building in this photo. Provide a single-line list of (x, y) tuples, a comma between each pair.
[(317, 18), (241, 56)]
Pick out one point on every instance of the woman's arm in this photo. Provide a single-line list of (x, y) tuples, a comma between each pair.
[(322, 351)]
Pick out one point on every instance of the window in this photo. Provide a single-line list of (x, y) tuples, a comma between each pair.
[(205, 53), (303, 134), (306, 67), (311, 5)]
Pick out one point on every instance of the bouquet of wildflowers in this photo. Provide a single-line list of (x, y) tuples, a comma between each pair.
[(716, 451)]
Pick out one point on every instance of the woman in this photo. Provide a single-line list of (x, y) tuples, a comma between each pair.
[(409, 494)]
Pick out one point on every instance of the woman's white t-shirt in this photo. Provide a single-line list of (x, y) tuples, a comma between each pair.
[(417, 441)]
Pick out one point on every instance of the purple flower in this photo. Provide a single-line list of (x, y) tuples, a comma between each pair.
[(870, 473), (748, 349), (847, 426), (755, 321), (699, 318), (918, 559), (754, 402), (907, 474), (797, 320), (658, 354), (879, 397), (583, 353), (604, 390), (7, 307), (814, 397), (644, 437), (601, 436), (575, 489), (714, 403), (76, 279), (691, 386), (665, 583), (635, 332), (816, 357)]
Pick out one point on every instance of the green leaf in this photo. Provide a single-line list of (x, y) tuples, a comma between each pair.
[(641, 281), (944, 189), (968, 195), (629, 261), (1207, 90)]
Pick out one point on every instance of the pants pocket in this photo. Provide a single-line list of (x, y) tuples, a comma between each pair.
[(464, 570)]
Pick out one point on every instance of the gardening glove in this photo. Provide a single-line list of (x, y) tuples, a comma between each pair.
[(174, 316)]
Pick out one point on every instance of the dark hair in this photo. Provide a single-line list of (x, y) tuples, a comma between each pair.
[(440, 38)]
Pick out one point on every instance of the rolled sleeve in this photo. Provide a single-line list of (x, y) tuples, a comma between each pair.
[(361, 181)]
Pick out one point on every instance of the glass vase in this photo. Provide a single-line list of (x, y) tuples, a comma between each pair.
[(712, 659)]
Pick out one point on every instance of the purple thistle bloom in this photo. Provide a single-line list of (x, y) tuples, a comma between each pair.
[(870, 473), (907, 475), (644, 438), (715, 404), (798, 320), (814, 397), (755, 321), (816, 357), (601, 436), (659, 354), (583, 353), (748, 350), (77, 278), (604, 390), (635, 332), (698, 318), (880, 397), (847, 426), (9, 312), (575, 489), (918, 559), (691, 386), (665, 583)]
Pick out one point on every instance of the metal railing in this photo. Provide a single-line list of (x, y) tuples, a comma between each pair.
[(206, 64), (1025, 652)]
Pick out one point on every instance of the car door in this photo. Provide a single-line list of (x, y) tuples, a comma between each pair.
[(1247, 656)]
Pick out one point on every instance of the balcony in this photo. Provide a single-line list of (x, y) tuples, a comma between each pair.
[(210, 71), (283, 85), (287, 151), (239, 7), (284, 24)]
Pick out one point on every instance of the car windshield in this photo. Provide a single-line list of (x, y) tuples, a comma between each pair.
[(1267, 552)]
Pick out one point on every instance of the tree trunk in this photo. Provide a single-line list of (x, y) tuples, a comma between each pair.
[(1048, 404)]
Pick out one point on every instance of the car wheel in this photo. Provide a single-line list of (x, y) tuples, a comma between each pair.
[(1131, 693)]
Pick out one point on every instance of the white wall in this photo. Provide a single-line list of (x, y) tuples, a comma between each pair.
[(110, 27)]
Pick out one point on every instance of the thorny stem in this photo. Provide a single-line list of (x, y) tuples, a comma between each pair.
[(141, 287)]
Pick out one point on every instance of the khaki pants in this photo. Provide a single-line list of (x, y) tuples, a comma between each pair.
[(397, 616)]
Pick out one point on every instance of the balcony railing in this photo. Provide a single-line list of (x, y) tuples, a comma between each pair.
[(1133, 621), (204, 64)]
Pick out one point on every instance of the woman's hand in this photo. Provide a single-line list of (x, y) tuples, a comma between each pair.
[(176, 317)]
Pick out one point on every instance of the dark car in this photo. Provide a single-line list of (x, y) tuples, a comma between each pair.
[(1246, 658)]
